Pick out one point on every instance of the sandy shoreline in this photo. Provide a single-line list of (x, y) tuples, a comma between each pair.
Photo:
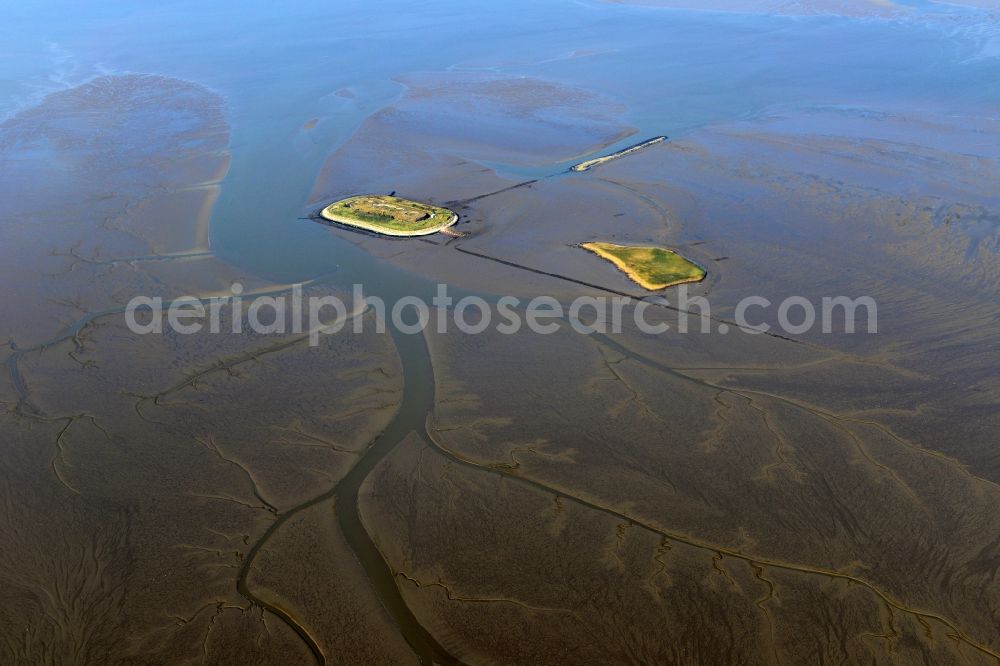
[(383, 231)]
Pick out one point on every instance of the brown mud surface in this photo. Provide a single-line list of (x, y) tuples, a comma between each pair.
[(142, 474), (715, 498)]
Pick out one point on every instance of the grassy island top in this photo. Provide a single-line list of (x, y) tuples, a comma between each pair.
[(389, 215), (650, 266)]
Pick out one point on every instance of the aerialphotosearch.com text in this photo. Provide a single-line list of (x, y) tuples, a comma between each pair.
[(317, 315)]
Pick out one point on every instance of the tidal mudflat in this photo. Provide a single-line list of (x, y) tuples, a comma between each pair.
[(380, 497), (88, 548), (694, 457)]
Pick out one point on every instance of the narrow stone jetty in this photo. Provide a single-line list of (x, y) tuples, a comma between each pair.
[(597, 161)]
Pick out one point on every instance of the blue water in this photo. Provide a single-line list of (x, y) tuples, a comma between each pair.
[(278, 65)]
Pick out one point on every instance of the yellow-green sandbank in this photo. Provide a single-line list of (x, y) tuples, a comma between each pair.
[(649, 266)]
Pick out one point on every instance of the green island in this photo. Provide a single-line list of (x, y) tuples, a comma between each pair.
[(389, 215), (651, 267)]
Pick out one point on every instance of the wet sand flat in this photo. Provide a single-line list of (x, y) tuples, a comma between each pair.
[(135, 455), (723, 447)]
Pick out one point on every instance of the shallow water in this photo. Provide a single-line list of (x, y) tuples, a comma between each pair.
[(674, 70)]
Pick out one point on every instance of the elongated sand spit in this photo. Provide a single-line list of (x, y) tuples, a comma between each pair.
[(597, 161)]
